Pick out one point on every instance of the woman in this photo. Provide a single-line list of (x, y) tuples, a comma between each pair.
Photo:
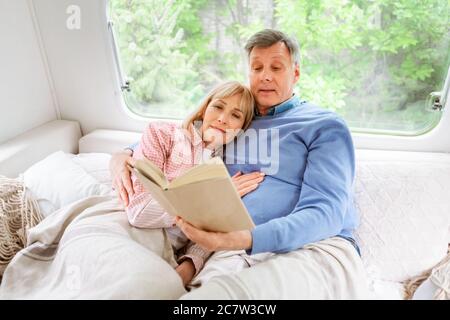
[(226, 111)]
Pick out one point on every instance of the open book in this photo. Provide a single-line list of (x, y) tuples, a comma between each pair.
[(205, 195)]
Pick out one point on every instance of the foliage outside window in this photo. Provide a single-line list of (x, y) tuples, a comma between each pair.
[(373, 62)]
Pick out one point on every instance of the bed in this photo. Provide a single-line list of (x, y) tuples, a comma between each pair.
[(402, 198)]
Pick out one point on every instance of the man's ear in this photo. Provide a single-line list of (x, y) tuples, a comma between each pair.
[(296, 73)]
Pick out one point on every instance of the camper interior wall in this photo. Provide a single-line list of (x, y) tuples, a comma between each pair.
[(50, 71), (25, 95), (81, 65)]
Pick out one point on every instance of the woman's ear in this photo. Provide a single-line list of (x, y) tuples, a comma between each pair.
[(205, 107)]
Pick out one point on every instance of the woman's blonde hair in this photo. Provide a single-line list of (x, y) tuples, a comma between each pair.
[(225, 90)]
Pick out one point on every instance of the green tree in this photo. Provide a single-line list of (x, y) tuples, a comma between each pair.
[(152, 48), (370, 61), (195, 37)]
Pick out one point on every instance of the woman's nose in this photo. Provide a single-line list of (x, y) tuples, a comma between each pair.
[(223, 118)]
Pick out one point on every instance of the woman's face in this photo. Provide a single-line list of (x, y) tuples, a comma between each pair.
[(222, 120)]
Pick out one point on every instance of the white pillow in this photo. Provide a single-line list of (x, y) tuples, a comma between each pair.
[(96, 164), (57, 181), (405, 215)]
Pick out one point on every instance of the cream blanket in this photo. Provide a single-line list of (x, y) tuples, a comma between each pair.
[(88, 250), (328, 269)]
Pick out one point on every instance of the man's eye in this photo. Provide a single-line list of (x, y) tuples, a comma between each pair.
[(257, 68)]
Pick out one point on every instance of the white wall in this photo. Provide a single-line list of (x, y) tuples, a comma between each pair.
[(25, 95), (81, 64)]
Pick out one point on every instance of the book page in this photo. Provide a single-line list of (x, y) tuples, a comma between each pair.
[(151, 171), (212, 169), (212, 205), (157, 193), (205, 197)]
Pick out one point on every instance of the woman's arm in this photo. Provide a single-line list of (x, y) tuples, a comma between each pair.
[(143, 211), (197, 254), (246, 183), (121, 175), (186, 271)]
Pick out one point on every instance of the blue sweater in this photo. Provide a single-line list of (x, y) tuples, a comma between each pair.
[(307, 192)]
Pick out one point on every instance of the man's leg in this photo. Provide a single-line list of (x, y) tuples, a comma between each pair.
[(329, 269), (220, 263)]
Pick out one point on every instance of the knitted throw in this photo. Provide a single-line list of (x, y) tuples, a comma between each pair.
[(439, 275), (18, 213)]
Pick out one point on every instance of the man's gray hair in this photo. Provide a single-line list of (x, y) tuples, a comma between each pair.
[(269, 37)]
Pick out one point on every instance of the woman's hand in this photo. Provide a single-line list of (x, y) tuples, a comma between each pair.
[(120, 174), (246, 183), (215, 241), (186, 271)]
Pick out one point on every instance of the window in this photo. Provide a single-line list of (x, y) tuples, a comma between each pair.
[(373, 62)]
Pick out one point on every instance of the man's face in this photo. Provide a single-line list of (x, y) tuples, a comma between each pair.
[(272, 75)]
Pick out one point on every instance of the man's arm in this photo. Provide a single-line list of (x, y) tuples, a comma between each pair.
[(324, 198), (215, 241), (319, 213)]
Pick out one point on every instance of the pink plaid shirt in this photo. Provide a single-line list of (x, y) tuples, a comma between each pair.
[(174, 150)]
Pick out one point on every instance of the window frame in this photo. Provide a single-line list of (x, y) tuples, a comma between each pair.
[(364, 137)]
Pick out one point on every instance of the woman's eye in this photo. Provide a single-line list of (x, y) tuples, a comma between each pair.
[(217, 106), (237, 116)]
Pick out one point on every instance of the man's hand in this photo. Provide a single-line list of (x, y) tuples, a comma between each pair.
[(186, 270), (215, 241), (120, 174), (246, 183)]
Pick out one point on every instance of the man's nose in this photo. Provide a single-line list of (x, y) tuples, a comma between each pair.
[(266, 75)]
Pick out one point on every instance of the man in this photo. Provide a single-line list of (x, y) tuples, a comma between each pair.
[(303, 211)]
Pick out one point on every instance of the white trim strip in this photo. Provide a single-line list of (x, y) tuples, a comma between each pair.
[(44, 57)]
